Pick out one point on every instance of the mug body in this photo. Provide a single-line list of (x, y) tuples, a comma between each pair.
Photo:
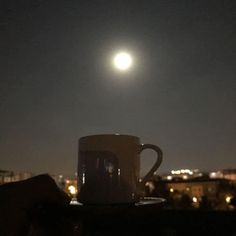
[(108, 169)]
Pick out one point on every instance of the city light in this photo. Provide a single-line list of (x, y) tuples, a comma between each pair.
[(171, 190), (182, 171), (214, 175), (228, 199), (72, 189), (150, 185), (185, 177), (169, 177), (195, 200)]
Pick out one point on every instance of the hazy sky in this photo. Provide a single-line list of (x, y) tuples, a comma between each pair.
[(57, 83)]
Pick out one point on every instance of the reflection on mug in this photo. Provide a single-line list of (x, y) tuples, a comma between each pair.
[(100, 172)]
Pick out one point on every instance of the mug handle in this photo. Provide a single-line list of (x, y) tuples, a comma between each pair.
[(157, 163)]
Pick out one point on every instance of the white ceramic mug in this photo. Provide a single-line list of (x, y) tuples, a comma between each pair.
[(109, 168)]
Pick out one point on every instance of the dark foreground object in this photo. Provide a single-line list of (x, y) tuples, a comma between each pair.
[(130, 220)]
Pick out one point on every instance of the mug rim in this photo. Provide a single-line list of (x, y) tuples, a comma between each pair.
[(107, 135)]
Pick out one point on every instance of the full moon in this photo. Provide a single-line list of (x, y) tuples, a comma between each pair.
[(122, 61)]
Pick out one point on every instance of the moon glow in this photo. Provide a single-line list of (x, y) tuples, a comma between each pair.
[(122, 61)]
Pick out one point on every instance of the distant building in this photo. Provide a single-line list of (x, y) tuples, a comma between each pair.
[(200, 187), (5, 176), (10, 176), (195, 192), (229, 174)]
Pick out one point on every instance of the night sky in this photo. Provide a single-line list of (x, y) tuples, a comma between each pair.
[(57, 82)]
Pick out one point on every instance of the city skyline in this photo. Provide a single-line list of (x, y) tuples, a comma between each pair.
[(57, 83)]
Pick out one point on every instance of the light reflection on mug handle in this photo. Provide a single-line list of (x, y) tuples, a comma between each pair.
[(157, 163)]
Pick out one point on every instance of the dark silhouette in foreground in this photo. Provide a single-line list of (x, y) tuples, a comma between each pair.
[(37, 207), (19, 200)]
